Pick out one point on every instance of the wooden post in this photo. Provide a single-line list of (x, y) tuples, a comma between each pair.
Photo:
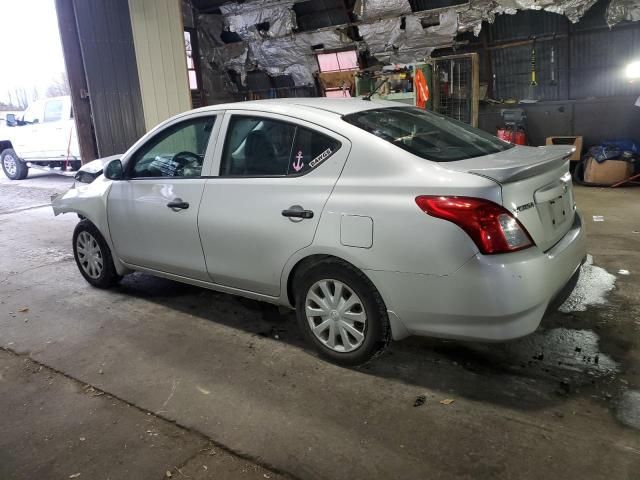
[(77, 79), (475, 89), (488, 63)]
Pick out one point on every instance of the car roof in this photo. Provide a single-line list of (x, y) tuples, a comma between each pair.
[(291, 106)]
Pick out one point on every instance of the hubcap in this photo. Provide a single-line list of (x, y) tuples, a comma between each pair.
[(336, 315), (10, 164), (89, 255)]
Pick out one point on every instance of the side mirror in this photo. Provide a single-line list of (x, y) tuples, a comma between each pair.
[(113, 170), (11, 120)]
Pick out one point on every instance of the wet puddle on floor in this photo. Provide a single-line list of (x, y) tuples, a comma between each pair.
[(592, 288), (562, 352), (628, 409)]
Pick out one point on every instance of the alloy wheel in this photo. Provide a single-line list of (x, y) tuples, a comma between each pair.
[(336, 315), (89, 255), (10, 164)]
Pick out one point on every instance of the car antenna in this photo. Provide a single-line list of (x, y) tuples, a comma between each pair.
[(370, 94)]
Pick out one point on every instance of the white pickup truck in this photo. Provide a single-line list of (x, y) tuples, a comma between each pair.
[(44, 136)]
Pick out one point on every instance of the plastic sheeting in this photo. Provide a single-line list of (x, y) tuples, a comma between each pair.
[(370, 10), (293, 55), (243, 18), (478, 11), (216, 58), (388, 41), (389, 30), (621, 10)]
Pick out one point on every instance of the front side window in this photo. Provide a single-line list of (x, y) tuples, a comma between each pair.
[(427, 135), (33, 114), (177, 151), (53, 111), (258, 146)]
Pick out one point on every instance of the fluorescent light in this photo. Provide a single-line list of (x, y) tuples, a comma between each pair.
[(633, 70)]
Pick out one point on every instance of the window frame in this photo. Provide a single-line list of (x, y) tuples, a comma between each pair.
[(193, 40), (336, 52), (152, 136), (229, 115)]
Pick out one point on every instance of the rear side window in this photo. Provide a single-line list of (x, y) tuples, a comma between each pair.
[(262, 147), (53, 111), (427, 135), (310, 149)]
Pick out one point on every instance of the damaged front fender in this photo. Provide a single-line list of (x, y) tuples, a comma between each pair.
[(90, 202)]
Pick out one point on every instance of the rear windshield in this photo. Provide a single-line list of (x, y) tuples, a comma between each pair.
[(426, 134)]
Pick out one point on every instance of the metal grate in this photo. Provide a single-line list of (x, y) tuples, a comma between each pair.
[(453, 88)]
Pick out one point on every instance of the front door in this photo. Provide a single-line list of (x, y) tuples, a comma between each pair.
[(26, 138), (153, 213), (275, 176)]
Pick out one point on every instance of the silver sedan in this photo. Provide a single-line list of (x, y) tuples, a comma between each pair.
[(372, 220)]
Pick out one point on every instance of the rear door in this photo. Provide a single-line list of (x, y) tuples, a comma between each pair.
[(56, 129), (275, 175)]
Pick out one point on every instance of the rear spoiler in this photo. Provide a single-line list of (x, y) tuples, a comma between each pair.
[(516, 163)]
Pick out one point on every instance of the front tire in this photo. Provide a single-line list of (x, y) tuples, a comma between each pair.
[(341, 313), (93, 256), (13, 167)]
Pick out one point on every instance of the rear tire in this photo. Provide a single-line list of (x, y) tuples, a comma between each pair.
[(343, 307), (93, 256), (13, 167)]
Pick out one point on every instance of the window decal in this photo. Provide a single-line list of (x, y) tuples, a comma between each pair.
[(298, 164), (319, 158)]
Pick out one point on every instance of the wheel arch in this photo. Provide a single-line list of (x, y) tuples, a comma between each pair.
[(104, 231), (5, 144), (302, 262), (90, 202)]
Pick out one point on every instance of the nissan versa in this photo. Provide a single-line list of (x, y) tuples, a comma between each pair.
[(373, 220)]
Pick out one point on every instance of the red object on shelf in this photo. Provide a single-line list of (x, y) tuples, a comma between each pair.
[(517, 137)]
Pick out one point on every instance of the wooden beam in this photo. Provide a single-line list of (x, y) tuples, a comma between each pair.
[(475, 88), (77, 79), (488, 62)]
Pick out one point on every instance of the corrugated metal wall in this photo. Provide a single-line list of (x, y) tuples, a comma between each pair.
[(159, 46), (589, 58), (104, 30)]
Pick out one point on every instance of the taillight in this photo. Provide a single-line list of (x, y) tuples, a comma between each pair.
[(490, 226)]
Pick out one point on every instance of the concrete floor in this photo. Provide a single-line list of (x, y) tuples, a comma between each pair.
[(202, 370)]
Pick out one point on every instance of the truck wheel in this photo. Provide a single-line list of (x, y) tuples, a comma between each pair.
[(14, 168)]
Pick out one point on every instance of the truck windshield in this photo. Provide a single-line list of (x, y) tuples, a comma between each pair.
[(427, 135)]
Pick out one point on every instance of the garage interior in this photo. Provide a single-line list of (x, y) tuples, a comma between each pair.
[(158, 379), (560, 65)]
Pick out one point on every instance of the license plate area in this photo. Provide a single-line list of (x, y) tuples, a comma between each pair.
[(559, 210)]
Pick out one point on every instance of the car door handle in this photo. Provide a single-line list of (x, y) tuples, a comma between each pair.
[(297, 213), (177, 204)]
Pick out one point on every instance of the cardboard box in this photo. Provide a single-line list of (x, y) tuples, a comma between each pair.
[(607, 172), (575, 141)]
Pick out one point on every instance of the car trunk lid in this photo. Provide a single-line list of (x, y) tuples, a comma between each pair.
[(536, 187)]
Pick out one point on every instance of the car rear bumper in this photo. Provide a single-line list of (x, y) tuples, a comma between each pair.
[(491, 297)]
